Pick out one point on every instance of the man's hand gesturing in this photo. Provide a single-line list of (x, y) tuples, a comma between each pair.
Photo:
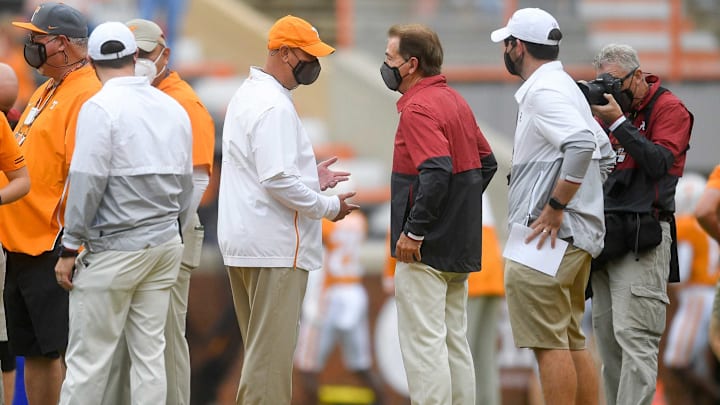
[(345, 206)]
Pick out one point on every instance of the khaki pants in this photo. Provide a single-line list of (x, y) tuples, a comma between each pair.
[(120, 293), (432, 322), (483, 313), (267, 305), (629, 304), (177, 352)]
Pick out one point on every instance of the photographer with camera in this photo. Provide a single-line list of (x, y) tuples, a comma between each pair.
[(649, 128)]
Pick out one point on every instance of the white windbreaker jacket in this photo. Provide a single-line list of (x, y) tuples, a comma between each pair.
[(131, 172), (270, 205)]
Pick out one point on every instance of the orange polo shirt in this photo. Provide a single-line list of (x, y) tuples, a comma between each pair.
[(10, 156), (32, 224), (703, 268), (203, 127), (490, 280), (714, 179)]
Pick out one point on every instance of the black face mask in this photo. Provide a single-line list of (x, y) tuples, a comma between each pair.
[(625, 97), (624, 100), (35, 54), (510, 65), (306, 72), (391, 75)]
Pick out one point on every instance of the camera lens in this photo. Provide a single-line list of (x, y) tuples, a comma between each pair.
[(594, 91)]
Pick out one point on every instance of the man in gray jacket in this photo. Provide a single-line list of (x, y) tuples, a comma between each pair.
[(560, 159), (130, 187)]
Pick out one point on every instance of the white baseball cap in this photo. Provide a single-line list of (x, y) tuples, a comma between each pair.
[(107, 32), (529, 25)]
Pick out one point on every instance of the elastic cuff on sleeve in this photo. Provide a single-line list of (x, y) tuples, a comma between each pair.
[(617, 123), (415, 237), (333, 206)]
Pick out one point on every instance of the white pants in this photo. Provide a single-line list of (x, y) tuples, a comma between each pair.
[(432, 321), (483, 314), (177, 352), (114, 293), (687, 339)]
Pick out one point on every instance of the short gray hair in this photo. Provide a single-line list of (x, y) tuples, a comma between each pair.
[(81, 43), (620, 54)]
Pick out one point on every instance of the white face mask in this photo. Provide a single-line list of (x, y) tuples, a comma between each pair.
[(147, 68)]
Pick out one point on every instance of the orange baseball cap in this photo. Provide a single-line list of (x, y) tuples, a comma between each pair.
[(295, 32)]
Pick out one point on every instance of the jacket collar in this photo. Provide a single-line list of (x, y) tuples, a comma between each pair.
[(424, 83), (256, 73), (654, 83), (535, 76)]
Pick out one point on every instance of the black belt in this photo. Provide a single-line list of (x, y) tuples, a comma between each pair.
[(666, 216)]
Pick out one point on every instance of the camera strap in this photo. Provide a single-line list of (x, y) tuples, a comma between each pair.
[(648, 108)]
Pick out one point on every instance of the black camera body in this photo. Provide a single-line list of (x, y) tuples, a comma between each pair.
[(594, 90)]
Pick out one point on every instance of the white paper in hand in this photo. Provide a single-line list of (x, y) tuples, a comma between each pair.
[(546, 259)]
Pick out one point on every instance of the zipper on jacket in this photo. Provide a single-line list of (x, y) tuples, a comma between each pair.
[(297, 241), (532, 198)]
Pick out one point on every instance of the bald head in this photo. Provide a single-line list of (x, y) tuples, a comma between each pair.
[(8, 87)]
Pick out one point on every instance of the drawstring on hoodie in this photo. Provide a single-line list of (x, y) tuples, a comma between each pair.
[(637, 236)]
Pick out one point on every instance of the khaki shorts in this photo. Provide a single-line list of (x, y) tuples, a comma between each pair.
[(545, 311)]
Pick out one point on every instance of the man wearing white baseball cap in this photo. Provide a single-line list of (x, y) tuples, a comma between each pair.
[(153, 63), (530, 25), (130, 190), (561, 157)]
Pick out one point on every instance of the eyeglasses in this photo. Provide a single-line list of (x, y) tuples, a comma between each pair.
[(627, 76), (510, 40), (33, 39)]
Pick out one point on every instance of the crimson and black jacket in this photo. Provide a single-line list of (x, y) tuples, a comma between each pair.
[(442, 163), (651, 155)]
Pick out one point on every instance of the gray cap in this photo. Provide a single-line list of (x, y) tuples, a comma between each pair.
[(56, 19)]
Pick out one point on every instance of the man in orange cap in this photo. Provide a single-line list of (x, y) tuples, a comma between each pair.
[(270, 207), (30, 229)]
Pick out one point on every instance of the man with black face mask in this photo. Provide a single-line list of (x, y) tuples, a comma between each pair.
[(629, 282), (561, 157), (270, 208), (30, 229), (442, 164)]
